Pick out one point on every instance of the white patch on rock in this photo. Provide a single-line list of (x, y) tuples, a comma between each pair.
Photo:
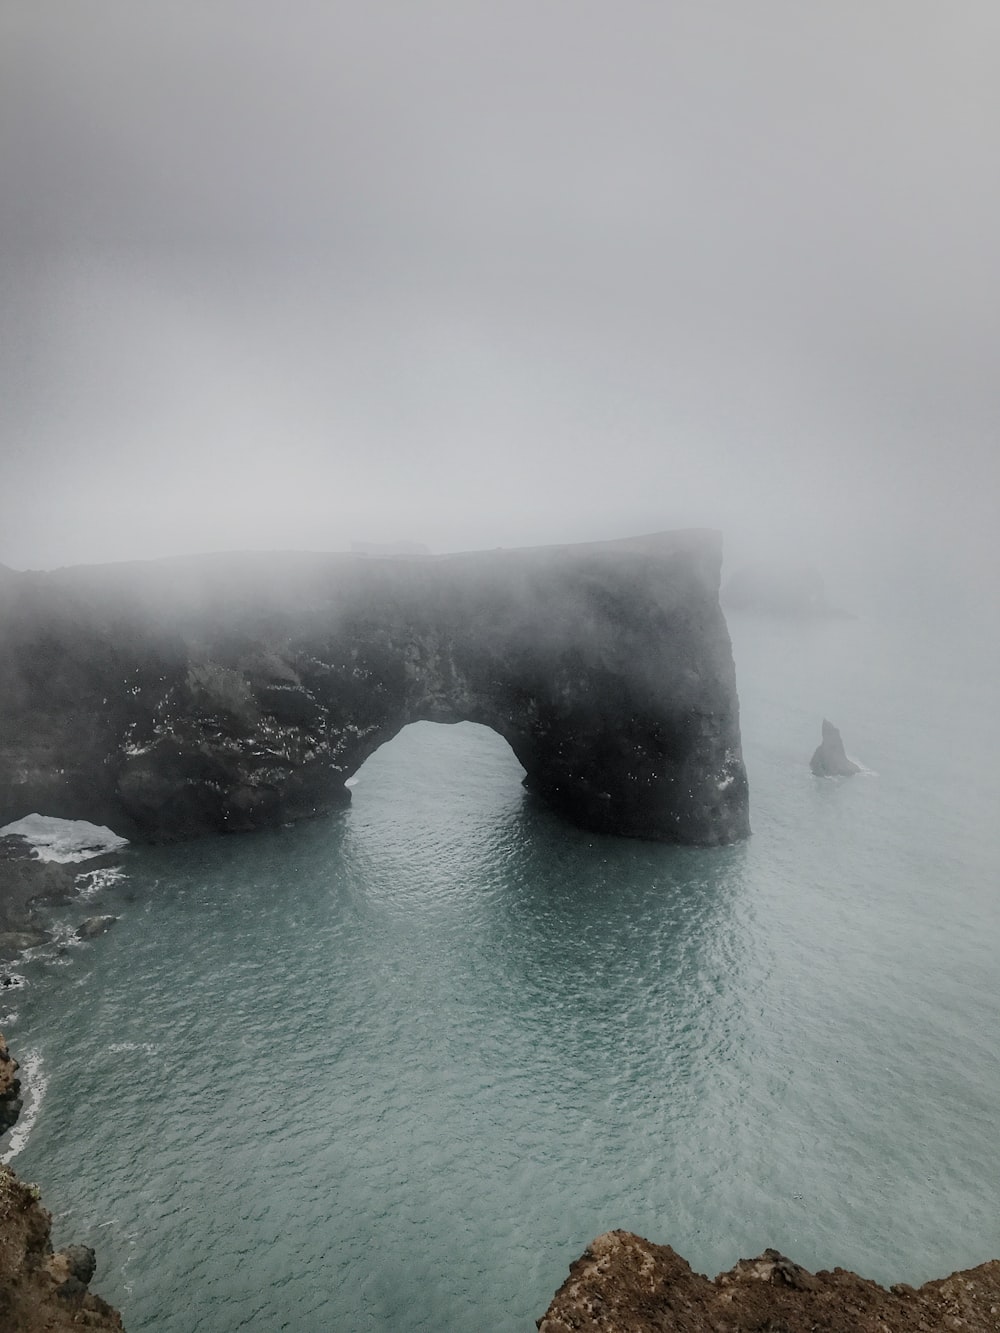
[(64, 839), (90, 882)]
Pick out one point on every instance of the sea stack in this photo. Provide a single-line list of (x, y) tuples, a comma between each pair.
[(830, 759)]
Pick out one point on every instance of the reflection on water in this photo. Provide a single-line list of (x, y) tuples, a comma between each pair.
[(393, 1069)]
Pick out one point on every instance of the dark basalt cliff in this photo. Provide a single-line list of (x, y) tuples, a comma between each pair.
[(178, 697), (624, 1284)]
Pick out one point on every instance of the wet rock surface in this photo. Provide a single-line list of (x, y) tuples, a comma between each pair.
[(40, 1289), (624, 1284), (94, 926), (173, 698)]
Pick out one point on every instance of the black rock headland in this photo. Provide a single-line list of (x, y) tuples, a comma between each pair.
[(179, 697)]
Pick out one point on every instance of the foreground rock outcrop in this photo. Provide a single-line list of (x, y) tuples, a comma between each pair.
[(39, 1289), (624, 1284), (173, 698), (830, 758)]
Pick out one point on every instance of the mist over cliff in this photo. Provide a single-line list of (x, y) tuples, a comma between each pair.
[(482, 276)]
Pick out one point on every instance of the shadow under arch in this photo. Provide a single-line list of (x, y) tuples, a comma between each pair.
[(430, 751)]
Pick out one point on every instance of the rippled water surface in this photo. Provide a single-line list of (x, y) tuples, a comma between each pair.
[(392, 1070)]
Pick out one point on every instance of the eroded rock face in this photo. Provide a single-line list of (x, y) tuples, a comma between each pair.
[(624, 1284), (174, 698), (94, 926)]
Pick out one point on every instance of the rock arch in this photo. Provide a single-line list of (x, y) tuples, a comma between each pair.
[(234, 692)]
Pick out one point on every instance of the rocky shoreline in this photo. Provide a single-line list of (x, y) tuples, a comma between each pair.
[(10, 1089), (625, 1284), (25, 882), (40, 1289), (28, 883)]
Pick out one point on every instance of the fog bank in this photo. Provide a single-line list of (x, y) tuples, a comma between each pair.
[(473, 276)]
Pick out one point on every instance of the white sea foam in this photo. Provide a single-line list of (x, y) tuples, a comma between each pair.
[(65, 839), (120, 1047), (863, 768), (34, 1081), (64, 936), (90, 882)]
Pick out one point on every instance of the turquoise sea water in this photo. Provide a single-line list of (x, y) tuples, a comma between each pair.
[(392, 1070)]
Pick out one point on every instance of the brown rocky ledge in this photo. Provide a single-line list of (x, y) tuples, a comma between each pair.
[(40, 1289), (624, 1284)]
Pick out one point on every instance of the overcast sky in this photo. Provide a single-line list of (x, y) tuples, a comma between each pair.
[(481, 274)]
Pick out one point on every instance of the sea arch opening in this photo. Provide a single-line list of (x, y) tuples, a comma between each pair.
[(463, 767), (435, 824)]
